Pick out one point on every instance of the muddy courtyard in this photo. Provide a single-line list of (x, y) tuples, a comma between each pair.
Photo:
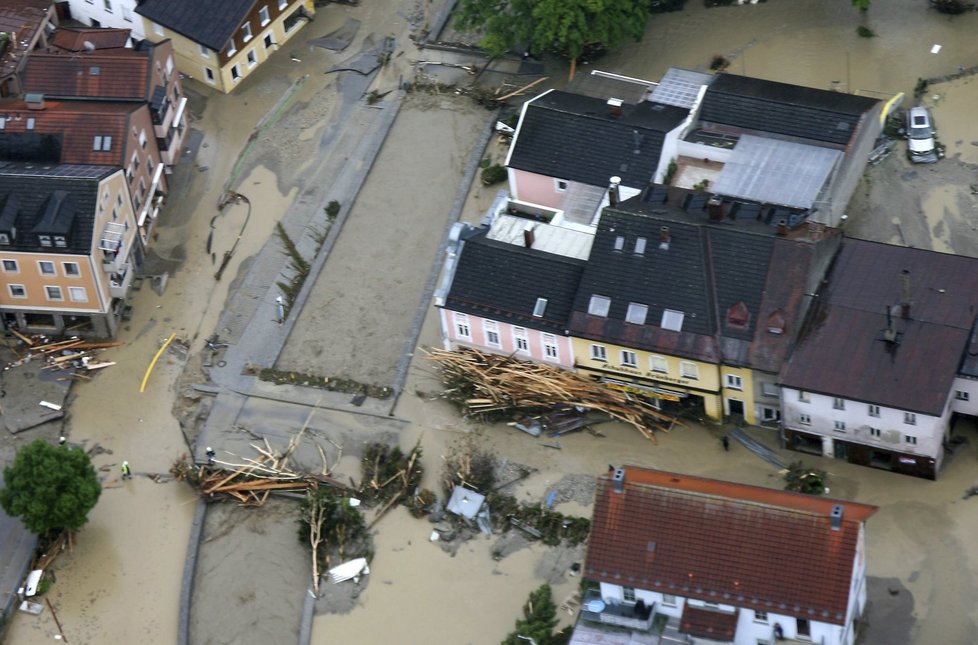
[(368, 310)]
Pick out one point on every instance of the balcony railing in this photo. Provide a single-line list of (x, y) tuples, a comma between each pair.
[(619, 615)]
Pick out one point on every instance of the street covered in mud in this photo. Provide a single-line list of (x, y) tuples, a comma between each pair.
[(402, 168)]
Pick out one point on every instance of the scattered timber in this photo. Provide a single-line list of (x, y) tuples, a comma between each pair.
[(493, 386)]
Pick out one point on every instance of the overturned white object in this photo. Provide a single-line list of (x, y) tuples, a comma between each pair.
[(33, 580), (465, 502), (352, 569)]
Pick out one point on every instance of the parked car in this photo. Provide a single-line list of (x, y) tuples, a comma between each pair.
[(920, 136)]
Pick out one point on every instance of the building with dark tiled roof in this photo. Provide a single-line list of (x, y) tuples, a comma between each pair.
[(115, 134), (885, 359), (568, 146), (692, 306), (67, 248), (506, 296), (721, 562), (221, 48), (23, 28)]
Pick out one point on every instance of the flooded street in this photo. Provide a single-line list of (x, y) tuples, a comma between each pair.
[(124, 575)]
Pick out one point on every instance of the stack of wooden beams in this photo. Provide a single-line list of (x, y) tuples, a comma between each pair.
[(491, 384), (63, 354)]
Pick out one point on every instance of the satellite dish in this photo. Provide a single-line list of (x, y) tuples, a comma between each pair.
[(88, 46)]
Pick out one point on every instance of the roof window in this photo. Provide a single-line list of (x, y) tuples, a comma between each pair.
[(540, 307), (599, 306)]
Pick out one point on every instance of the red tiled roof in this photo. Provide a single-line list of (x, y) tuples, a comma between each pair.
[(77, 123), (726, 543), (708, 623), (843, 341), (23, 18), (113, 74), (74, 40)]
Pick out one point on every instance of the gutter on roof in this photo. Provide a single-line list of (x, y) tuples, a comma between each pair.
[(519, 126)]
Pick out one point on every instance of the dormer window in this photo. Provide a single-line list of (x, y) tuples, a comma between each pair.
[(44, 240), (776, 322), (246, 32), (4, 239), (60, 241)]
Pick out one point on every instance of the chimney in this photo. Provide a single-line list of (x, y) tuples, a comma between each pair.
[(782, 228), (905, 294), (34, 101), (614, 107), (715, 208), (664, 238), (528, 238), (889, 334), (613, 195), (618, 480), (836, 516)]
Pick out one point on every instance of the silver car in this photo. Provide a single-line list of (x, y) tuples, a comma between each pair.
[(920, 136)]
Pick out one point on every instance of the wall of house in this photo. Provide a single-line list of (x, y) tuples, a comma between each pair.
[(706, 386), (918, 446), (141, 157), (74, 276), (849, 173), (108, 13), (670, 151), (738, 389), (964, 396), (767, 397), (536, 189), (244, 54), (454, 324), (702, 151), (165, 73)]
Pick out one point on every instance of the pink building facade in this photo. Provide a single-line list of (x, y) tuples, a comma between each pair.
[(467, 330)]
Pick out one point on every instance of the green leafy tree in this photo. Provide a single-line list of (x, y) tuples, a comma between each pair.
[(862, 5), (51, 488), (567, 27), (538, 622)]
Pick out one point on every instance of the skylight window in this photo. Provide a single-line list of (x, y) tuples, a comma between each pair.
[(672, 320), (619, 243), (599, 306), (640, 246), (540, 307), (636, 313)]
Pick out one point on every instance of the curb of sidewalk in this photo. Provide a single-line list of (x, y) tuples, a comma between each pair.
[(189, 567)]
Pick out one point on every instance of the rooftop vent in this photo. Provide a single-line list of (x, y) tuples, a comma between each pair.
[(34, 101), (614, 107), (836, 516), (618, 480)]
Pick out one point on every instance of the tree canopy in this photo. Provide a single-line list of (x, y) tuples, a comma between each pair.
[(538, 622), (50, 487), (567, 27)]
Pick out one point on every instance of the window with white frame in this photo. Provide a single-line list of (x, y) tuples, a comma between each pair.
[(236, 72), (599, 353), (961, 395), (658, 364), (491, 329), (17, 291), (53, 293), (668, 600), (10, 266), (910, 418), (874, 410), (735, 382), (102, 143), (46, 267), (108, 5), (760, 616), (142, 139), (689, 370), (628, 358), (560, 185), (520, 340), (78, 294), (599, 306), (44, 240), (246, 32), (628, 594), (910, 439), (209, 75), (804, 397), (875, 432), (205, 51), (636, 313), (462, 329), (550, 350), (838, 404), (769, 389), (840, 426), (71, 269), (263, 16), (282, 4), (232, 48), (252, 58), (804, 419), (126, 13)]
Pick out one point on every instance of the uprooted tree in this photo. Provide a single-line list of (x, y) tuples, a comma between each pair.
[(538, 622), (331, 526), (566, 27), (51, 488)]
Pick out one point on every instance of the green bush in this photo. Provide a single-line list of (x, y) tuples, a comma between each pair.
[(493, 175)]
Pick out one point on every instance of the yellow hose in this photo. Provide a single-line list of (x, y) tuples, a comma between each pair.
[(153, 362)]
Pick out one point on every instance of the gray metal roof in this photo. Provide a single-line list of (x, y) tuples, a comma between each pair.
[(679, 87), (776, 172)]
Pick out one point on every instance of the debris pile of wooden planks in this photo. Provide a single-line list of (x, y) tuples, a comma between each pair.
[(69, 354), (493, 385), (251, 482)]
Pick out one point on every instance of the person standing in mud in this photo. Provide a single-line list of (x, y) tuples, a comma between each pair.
[(726, 443), (126, 473)]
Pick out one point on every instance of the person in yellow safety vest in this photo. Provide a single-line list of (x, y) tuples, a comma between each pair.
[(126, 473)]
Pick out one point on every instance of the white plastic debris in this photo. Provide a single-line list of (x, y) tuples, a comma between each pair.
[(49, 405), (434, 537), (354, 502), (935, 49)]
